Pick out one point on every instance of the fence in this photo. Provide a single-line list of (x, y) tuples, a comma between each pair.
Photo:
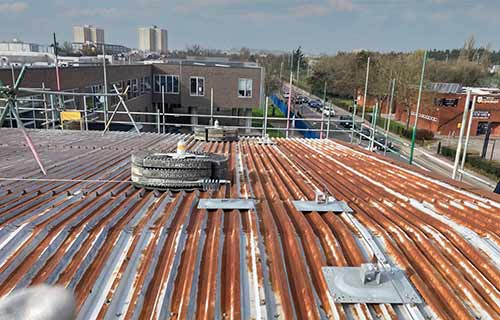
[(303, 127)]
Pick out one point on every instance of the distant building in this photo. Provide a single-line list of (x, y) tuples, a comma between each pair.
[(153, 39), (19, 46), (85, 47), (443, 105), (87, 33), (180, 86), (18, 53)]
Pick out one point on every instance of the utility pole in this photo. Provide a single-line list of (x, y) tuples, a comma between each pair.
[(58, 78), (462, 129), (464, 156), (366, 91), (414, 133), (281, 70), (374, 126), (105, 83), (56, 52), (289, 105), (298, 68), (322, 113), (389, 115)]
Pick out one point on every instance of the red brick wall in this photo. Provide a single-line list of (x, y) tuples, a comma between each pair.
[(449, 118)]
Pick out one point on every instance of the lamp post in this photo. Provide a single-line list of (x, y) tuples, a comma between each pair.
[(414, 133)]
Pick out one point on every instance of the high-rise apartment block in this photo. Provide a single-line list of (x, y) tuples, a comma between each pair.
[(88, 34), (153, 39)]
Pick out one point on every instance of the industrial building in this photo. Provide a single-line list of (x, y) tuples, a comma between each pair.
[(443, 107), (137, 254), (153, 39), (88, 34), (180, 87)]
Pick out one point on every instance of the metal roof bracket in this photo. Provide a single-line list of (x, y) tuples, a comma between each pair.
[(323, 203), (370, 283), (227, 204)]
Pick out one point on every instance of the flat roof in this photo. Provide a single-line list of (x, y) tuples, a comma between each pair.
[(207, 63), (143, 254)]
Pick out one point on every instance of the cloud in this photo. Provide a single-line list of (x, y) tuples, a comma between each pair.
[(94, 12), (13, 7), (342, 5), (196, 5), (310, 9)]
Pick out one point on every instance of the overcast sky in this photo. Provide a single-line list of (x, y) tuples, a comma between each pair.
[(318, 26)]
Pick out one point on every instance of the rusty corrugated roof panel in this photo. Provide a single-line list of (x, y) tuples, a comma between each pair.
[(134, 254)]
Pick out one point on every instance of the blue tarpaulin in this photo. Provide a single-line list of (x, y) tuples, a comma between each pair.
[(299, 124)]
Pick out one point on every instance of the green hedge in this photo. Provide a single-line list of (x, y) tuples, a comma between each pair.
[(400, 129), (473, 160), (421, 134)]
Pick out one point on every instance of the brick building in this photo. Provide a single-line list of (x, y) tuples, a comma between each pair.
[(187, 86), (442, 113)]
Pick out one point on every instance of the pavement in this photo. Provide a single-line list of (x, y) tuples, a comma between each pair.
[(424, 157)]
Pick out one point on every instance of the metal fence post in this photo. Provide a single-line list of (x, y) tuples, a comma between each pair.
[(163, 107), (33, 113), (493, 150), (158, 119), (85, 113), (212, 106), (289, 106), (322, 113), (329, 121), (52, 110), (353, 128), (462, 129), (45, 107), (374, 126), (464, 156), (264, 131)]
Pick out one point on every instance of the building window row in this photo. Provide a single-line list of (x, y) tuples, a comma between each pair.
[(137, 87), (169, 83)]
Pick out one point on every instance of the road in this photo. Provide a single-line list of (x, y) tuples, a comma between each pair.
[(423, 157)]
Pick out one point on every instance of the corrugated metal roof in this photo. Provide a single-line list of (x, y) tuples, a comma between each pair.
[(134, 254), (443, 87)]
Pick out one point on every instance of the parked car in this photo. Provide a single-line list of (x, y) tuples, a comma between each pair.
[(302, 100), (365, 132), (346, 121), (316, 104), (328, 111), (381, 139)]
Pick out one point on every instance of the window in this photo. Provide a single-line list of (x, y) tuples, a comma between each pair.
[(197, 87), (141, 86), (169, 82), (245, 88), (147, 84), (157, 83), (135, 89)]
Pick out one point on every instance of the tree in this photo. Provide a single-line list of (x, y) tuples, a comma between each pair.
[(66, 49), (298, 57), (194, 50)]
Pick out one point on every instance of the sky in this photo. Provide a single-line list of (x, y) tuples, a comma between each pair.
[(321, 26)]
